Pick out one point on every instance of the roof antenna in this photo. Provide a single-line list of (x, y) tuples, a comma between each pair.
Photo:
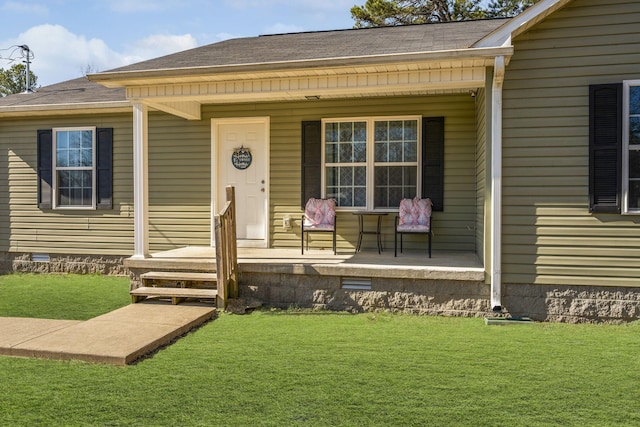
[(26, 53)]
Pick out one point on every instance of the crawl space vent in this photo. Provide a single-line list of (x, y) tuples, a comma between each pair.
[(354, 283)]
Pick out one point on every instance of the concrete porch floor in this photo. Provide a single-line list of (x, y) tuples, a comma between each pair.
[(410, 264)]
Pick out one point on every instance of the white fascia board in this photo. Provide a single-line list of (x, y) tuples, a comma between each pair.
[(58, 109)]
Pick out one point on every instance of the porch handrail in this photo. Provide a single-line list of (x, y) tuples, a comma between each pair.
[(226, 250)]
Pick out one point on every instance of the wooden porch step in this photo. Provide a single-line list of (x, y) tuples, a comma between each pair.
[(176, 294), (179, 276)]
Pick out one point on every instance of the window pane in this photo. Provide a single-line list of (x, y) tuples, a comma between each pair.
[(62, 140), (360, 176), (359, 197), (64, 179), (411, 151), (346, 177), (346, 132), (634, 194), (634, 164), (346, 142), (74, 148), (347, 185), (331, 153), (87, 140), (62, 158), (360, 132), (396, 141), (634, 130), (381, 133), (395, 151), (75, 139), (346, 153), (394, 183), (331, 177), (381, 176), (331, 132), (75, 188), (634, 100), (396, 131), (381, 152), (360, 152), (411, 130)]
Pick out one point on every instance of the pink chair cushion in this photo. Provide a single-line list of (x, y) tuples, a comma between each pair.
[(415, 215), (320, 214)]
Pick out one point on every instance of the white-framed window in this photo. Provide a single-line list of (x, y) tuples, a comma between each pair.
[(74, 168), (631, 146), (372, 162)]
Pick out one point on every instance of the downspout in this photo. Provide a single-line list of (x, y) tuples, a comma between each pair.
[(496, 184)]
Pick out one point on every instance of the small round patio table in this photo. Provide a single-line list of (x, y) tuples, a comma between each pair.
[(362, 231)]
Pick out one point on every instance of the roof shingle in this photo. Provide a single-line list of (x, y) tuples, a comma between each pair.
[(326, 45)]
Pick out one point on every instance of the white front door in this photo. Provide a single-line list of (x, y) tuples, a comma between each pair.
[(240, 149)]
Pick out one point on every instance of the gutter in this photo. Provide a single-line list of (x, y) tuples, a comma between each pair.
[(496, 183)]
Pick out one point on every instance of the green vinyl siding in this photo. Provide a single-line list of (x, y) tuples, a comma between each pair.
[(549, 236), (180, 178), (453, 228), (26, 228), (179, 182)]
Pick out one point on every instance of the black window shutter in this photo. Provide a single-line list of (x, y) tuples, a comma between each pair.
[(104, 162), (311, 160), (45, 168), (433, 161), (605, 148)]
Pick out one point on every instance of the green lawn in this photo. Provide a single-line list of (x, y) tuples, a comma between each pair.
[(287, 368)]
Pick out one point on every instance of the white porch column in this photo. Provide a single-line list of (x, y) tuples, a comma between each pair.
[(496, 183), (140, 180)]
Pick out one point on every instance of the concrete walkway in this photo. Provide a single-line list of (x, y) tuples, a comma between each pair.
[(120, 337)]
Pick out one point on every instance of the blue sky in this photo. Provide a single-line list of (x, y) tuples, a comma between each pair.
[(67, 37)]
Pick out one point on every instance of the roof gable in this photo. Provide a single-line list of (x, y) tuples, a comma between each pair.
[(521, 23)]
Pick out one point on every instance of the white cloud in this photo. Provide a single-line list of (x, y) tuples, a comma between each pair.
[(158, 45), (61, 55)]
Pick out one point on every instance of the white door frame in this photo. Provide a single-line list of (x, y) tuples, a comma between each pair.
[(215, 123)]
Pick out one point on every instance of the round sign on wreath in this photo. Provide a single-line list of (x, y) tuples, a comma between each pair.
[(241, 158)]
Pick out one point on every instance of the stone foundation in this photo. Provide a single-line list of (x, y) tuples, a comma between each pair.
[(573, 304), (77, 264), (434, 297), (469, 298)]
